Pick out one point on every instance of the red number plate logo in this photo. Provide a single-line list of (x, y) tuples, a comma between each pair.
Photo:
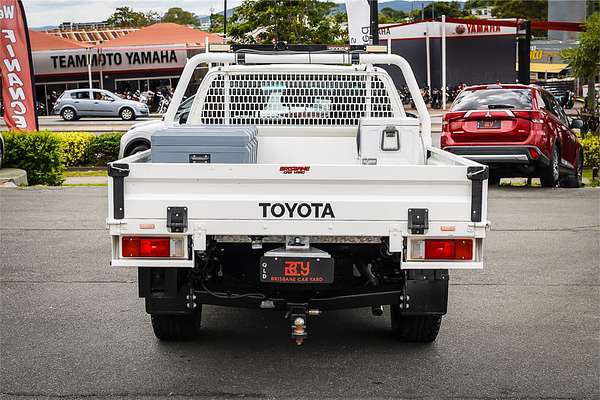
[(296, 268)]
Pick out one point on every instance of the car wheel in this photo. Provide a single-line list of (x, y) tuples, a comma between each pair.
[(137, 149), (574, 180), (68, 114), (550, 174), (177, 327), (127, 114), (414, 328)]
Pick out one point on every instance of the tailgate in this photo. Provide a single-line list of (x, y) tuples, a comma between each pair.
[(315, 200)]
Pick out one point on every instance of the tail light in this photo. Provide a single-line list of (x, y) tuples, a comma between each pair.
[(452, 121), (534, 153), (534, 116), (442, 249), (155, 247)]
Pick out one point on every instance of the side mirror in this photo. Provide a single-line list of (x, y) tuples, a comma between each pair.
[(576, 123), (183, 118)]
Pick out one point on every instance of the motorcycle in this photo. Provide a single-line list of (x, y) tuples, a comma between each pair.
[(436, 98), (163, 102)]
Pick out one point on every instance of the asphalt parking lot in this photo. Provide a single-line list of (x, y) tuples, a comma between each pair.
[(527, 326)]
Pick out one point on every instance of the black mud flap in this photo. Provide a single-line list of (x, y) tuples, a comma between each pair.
[(164, 291), (425, 292)]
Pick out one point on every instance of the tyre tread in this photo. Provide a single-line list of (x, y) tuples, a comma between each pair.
[(175, 327), (415, 328)]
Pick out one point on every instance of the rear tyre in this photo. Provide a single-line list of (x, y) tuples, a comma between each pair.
[(68, 114), (127, 114), (550, 174), (414, 328), (137, 149), (574, 180), (177, 327)]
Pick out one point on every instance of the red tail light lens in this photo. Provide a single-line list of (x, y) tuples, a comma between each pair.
[(141, 246), (534, 153), (442, 249)]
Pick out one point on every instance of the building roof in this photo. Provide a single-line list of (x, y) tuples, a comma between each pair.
[(43, 41), (163, 34), (92, 36)]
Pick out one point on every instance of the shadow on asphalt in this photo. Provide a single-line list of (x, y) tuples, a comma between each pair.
[(256, 332)]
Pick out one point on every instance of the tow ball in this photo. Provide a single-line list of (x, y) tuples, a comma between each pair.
[(298, 314)]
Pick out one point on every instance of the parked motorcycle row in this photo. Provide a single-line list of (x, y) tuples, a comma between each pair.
[(432, 98), (157, 102)]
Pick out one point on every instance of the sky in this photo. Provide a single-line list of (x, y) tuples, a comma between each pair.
[(53, 12)]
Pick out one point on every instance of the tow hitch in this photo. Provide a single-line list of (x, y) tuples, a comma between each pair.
[(298, 314)]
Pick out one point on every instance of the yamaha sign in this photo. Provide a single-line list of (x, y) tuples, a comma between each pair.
[(130, 59)]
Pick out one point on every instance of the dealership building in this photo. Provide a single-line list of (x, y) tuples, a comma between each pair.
[(150, 58)]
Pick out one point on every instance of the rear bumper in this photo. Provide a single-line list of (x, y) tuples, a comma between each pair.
[(491, 155)]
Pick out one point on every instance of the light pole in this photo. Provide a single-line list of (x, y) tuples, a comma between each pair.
[(225, 20)]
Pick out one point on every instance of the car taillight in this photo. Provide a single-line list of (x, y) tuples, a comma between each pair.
[(534, 153), (534, 116), (146, 246), (452, 121), (442, 249)]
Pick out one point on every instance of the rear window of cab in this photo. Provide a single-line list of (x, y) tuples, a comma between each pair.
[(493, 99)]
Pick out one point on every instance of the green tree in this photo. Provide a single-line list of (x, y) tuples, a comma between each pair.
[(127, 17), (584, 59), (216, 23), (469, 4), (389, 15), (452, 9), (524, 9), (179, 16), (291, 21)]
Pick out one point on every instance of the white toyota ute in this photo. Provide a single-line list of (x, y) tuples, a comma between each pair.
[(297, 184)]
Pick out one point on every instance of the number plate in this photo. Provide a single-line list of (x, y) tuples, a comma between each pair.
[(296, 269), (493, 124)]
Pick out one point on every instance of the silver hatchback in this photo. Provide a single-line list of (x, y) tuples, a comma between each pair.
[(73, 104)]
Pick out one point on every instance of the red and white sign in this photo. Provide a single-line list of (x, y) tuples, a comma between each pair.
[(433, 29), (16, 69)]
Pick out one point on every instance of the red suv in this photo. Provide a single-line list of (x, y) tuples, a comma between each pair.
[(518, 131)]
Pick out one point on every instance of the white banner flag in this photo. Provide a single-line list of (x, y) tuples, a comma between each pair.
[(359, 21)]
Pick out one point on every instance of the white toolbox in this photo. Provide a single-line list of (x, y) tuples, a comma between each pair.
[(389, 141)]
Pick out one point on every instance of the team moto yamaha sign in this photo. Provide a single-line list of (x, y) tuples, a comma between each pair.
[(15, 68), (76, 61)]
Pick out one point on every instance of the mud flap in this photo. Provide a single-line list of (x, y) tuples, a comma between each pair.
[(425, 292)]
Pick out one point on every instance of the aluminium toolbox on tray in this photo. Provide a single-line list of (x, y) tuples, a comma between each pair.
[(231, 144)]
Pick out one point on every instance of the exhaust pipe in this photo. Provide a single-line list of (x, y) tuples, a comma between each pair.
[(377, 311), (365, 272)]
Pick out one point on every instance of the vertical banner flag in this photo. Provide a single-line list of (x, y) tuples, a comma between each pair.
[(359, 21), (16, 68)]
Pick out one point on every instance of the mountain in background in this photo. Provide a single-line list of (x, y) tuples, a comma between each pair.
[(401, 5)]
